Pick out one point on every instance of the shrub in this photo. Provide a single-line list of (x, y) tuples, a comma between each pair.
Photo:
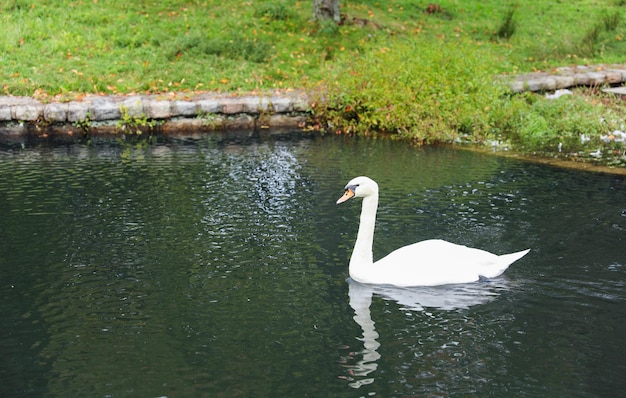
[(235, 47), (426, 91), (273, 12), (508, 25), (611, 21), (589, 43)]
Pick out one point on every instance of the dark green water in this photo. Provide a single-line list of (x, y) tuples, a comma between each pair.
[(218, 268)]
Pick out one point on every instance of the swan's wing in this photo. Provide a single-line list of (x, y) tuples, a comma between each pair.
[(437, 262)]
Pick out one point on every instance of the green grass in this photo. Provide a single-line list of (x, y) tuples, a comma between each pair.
[(401, 67), (87, 46)]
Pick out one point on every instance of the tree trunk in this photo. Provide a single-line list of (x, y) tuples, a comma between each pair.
[(326, 9)]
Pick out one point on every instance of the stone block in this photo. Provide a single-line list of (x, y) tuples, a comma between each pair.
[(273, 104), (209, 106), (232, 105), (564, 81), (282, 120), (614, 76), (184, 108), (548, 84), (616, 90), (533, 84), (27, 112), (5, 113), (255, 104), (175, 126), (300, 104), (517, 86), (581, 79), (134, 106), (104, 109), (281, 104), (156, 109), (596, 78), (240, 122), (77, 111), (55, 112)]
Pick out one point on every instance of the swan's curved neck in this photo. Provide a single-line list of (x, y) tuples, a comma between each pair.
[(362, 254)]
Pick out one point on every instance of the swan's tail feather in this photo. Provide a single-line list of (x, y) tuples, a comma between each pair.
[(513, 257), (504, 261)]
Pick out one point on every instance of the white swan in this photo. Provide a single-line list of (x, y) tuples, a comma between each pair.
[(427, 263)]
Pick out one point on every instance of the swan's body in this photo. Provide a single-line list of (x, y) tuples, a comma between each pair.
[(427, 263)]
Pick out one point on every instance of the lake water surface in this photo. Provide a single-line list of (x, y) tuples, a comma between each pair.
[(217, 267)]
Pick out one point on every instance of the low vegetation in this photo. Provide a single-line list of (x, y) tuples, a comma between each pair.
[(420, 71)]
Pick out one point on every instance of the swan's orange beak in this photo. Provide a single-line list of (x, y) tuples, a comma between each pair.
[(349, 193)]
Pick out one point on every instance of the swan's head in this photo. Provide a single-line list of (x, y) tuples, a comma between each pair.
[(359, 187)]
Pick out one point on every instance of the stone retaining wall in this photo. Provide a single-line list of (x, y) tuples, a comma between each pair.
[(102, 115), (569, 76)]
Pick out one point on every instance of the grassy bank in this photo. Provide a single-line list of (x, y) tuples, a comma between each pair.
[(419, 70)]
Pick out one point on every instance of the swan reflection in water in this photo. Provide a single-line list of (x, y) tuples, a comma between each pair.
[(447, 297)]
